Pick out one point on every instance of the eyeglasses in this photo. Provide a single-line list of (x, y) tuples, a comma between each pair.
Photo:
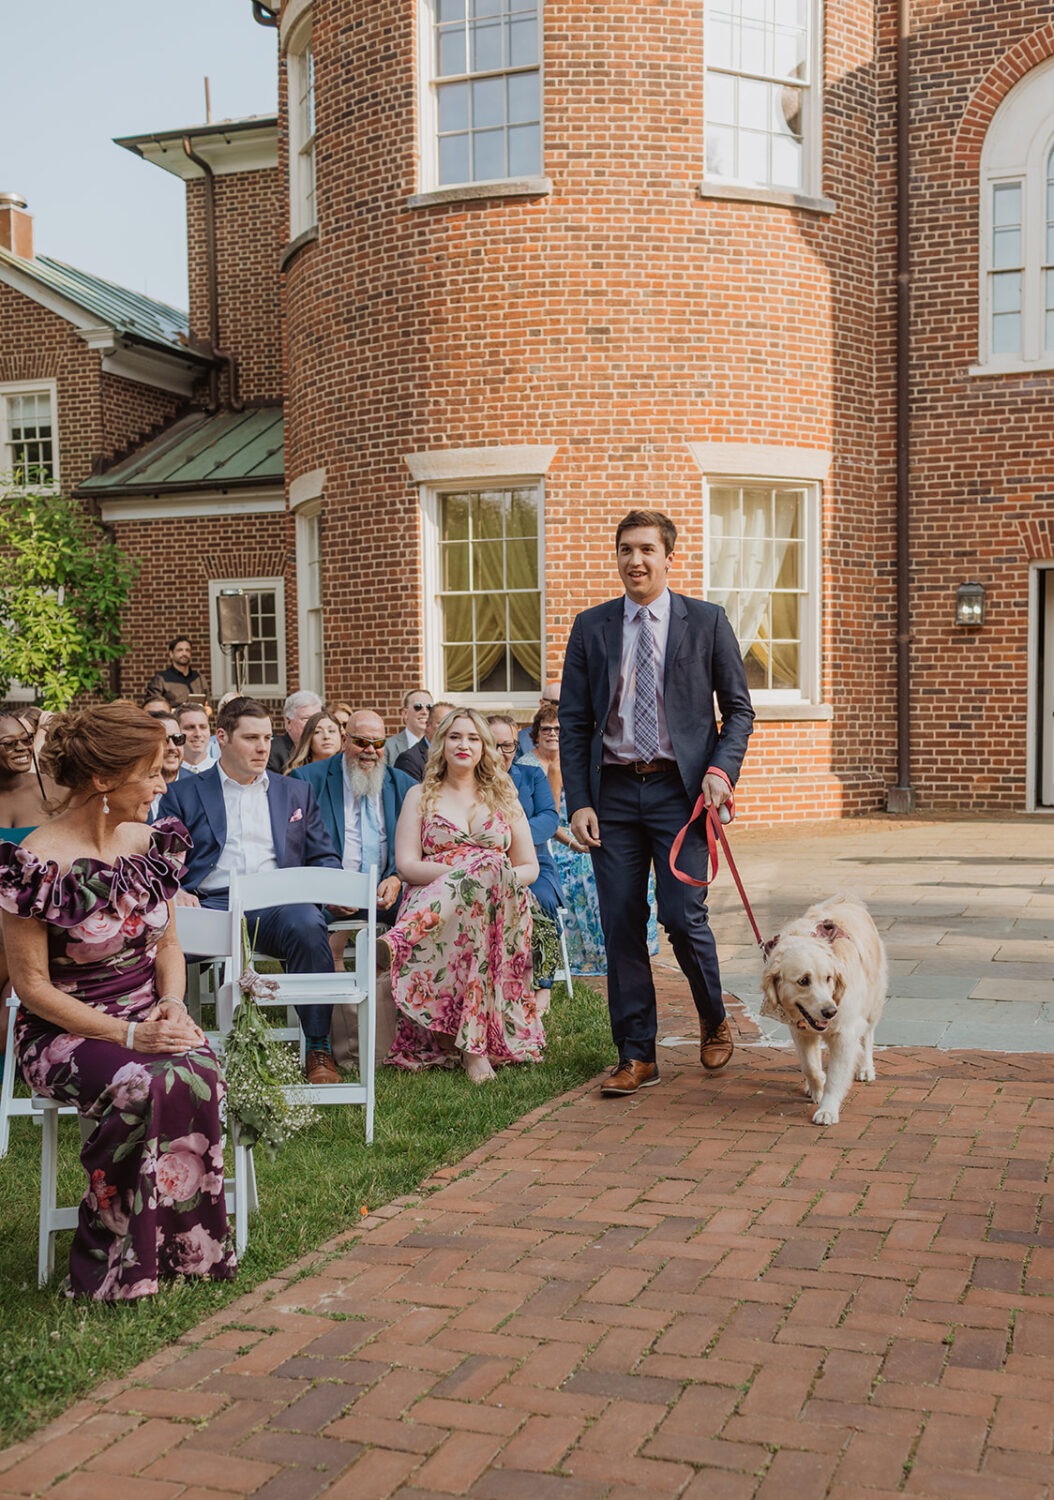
[(176, 739), (417, 707), (505, 746), (24, 743), (549, 729), (363, 744)]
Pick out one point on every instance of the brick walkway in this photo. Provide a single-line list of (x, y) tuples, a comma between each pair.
[(692, 1293)]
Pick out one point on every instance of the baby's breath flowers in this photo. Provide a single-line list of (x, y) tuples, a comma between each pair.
[(266, 1103)]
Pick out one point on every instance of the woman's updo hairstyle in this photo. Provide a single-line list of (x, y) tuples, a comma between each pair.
[(106, 741)]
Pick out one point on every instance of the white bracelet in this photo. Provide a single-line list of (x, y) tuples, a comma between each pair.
[(175, 999), (129, 1040)]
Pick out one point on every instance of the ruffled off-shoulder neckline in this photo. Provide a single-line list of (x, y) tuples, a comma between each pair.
[(31, 887)]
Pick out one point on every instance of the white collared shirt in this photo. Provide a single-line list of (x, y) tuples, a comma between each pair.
[(411, 738), (249, 846), (211, 757), (619, 747), (352, 856)]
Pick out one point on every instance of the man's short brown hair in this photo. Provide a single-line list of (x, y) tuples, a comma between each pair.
[(237, 709), (662, 524)]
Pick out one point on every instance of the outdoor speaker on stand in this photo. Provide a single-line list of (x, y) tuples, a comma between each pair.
[(235, 629)]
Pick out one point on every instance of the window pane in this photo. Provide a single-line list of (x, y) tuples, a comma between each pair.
[(453, 107), (720, 101), (454, 160), (523, 98), (719, 43), (1006, 292), (488, 102), (523, 514), (454, 569), (754, 104), (525, 151), (753, 163), (485, 47), (450, 10), (450, 52), (522, 42), (786, 163), (1006, 248), (720, 151), (1006, 333), (1006, 204)]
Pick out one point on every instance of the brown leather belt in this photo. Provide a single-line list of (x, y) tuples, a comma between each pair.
[(644, 767)]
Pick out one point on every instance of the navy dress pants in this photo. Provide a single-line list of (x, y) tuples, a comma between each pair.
[(297, 937), (640, 816)]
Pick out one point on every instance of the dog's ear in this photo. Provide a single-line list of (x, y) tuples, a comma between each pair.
[(766, 948), (770, 1006), (839, 986)]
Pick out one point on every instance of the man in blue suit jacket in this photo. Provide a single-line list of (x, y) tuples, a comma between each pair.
[(536, 799), (639, 742), (243, 819)]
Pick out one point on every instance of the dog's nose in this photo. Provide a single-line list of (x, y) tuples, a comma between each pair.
[(827, 1011)]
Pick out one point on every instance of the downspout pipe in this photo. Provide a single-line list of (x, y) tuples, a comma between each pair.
[(901, 797), (219, 356)]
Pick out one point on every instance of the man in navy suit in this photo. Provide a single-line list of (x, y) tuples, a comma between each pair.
[(242, 819), (639, 742), (360, 800), (536, 799)]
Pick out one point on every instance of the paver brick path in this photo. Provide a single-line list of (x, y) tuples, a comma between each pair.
[(691, 1293)]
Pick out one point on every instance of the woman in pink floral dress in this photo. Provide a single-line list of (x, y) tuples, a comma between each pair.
[(460, 952), (102, 1024)]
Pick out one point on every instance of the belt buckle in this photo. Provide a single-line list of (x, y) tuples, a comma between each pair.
[(643, 767)]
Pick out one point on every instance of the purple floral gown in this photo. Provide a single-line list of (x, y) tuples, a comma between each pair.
[(461, 954), (154, 1205)]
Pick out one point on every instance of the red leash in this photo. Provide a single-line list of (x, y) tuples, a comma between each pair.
[(715, 834)]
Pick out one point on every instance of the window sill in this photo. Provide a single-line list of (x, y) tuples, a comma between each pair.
[(780, 199), (1015, 367), (292, 250), (513, 187), (774, 713)]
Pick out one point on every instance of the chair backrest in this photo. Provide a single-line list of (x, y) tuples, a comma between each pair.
[(311, 883), (204, 932)]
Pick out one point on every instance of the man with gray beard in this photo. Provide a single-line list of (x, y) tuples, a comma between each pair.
[(360, 798)]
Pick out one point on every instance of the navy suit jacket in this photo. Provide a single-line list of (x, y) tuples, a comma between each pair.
[(536, 799), (300, 837), (702, 659), (326, 779)]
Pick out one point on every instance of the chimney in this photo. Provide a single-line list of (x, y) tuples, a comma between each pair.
[(16, 226)]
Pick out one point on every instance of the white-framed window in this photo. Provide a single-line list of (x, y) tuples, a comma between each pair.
[(1017, 229), (483, 605), (762, 94), (300, 76), (29, 449), (263, 663), (481, 107), (309, 597), (762, 567)]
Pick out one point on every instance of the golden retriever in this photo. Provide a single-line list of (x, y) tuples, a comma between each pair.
[(825, 975)]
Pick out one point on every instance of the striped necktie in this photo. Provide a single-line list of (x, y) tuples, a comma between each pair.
[(645, 699)]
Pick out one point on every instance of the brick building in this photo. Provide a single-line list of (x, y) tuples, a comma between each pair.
[(548, 259)]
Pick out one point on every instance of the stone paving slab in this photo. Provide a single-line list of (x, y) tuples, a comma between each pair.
[(693, 1293)]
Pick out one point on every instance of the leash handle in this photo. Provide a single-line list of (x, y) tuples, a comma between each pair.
[(715, 836)]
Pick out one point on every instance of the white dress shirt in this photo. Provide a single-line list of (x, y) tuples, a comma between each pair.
[(249, 846), (352, 856), (619, 747)]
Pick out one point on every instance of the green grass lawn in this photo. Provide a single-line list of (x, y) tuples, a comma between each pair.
[(52, 1351)]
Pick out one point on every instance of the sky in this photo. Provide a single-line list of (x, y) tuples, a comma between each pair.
[(79, 72)]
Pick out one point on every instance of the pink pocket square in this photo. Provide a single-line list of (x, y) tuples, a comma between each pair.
[(297, 814)]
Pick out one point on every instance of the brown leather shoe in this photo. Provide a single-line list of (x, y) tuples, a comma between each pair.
[(716, 1047), (319, 1067), (628, 1077)]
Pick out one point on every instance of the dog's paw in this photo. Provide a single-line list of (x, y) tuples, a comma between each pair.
[(825, 1116), (865, 1075)]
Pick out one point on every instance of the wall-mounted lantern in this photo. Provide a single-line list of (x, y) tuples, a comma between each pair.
[(969, 604)]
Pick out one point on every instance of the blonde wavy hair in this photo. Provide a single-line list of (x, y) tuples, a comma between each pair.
[(496, 789)]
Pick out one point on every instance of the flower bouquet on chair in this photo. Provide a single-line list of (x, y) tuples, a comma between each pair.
[(266, 1102)]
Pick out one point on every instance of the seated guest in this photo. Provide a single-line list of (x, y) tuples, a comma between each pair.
[(296, 711), (360, 800), (244, 820), (172, 761), (412, 761), (342, 712), (550, 699), (23, 807), (320, 738), (193, 722), (460, 951), (87, 921), (416, 705)]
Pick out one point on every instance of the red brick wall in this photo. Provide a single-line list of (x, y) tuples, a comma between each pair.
[(620, 318), (251, 224)]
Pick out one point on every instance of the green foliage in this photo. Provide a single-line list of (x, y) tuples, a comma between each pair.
[(65, 585)]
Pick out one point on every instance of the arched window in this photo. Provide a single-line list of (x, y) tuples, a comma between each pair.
[(1017, 229)]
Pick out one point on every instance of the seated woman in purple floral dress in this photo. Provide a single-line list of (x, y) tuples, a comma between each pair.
[(88, 929), (460, 951)]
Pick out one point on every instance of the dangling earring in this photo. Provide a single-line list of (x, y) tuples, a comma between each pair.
[(105, 805)]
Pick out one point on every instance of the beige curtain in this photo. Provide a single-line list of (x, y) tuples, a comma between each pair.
[(755, 568)]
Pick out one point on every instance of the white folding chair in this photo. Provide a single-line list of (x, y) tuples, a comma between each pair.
[(563, 974), (319, 887), (205, 937)]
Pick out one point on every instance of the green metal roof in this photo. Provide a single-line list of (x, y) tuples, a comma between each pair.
[(201, 452), (130, 313)]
